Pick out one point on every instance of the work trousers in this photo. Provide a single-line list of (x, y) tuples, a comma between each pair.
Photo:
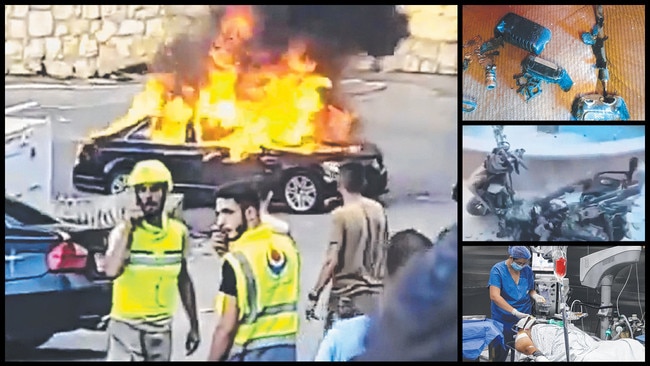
[(276, 353), (342, 307), (139, 342)]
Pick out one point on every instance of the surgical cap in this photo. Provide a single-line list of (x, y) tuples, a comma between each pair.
[(519, 251)]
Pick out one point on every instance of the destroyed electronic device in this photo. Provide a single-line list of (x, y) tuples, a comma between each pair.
[(535, 70), (594, 106), (523, 33), (485, 59), (597, 107), (516, 30), (469, 105)]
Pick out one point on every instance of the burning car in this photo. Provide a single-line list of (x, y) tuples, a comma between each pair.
[(302, 181), (251, 116)]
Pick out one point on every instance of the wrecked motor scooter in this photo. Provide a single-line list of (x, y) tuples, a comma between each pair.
[(598, 215)]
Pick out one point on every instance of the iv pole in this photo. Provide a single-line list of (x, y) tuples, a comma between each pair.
[(564, 322), (559, 257)]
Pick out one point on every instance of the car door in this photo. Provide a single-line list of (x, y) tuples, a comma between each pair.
[(184, 163), (218, 169)]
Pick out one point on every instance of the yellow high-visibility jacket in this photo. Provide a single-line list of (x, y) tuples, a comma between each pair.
[(148, 287), (267, 270)]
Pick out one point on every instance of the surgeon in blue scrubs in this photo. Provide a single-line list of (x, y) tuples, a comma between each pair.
[(512, 292)]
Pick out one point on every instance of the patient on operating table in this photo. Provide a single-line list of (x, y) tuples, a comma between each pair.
[(523, 341), (545, 342)]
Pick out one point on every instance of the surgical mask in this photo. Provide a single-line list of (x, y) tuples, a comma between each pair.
[(516, 266)]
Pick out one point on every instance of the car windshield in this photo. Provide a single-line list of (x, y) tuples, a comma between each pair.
[(26, 215), (142, 132)]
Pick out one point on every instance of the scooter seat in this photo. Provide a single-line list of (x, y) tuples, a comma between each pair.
[(602, 185)]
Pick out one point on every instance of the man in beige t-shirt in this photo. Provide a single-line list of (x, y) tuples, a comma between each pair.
[(355, 256)]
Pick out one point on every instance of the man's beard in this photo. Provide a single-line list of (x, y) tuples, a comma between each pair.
[(239, 230), (150, 214)]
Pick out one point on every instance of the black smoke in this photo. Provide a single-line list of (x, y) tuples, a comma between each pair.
[(375, 29), (333, 33), (186, 59)]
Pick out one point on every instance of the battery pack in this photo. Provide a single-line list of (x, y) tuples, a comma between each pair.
[(523, 33)]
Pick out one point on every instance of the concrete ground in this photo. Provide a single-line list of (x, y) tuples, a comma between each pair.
[(413, 120)]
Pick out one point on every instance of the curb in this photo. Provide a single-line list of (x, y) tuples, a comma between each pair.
[(20, 107), (357, 86), (360, 84), (26, 82), (372, 85), (47, 86)]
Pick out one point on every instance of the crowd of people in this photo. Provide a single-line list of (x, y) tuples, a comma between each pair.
[(390, 296)]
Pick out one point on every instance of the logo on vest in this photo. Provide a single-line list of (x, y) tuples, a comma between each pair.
[(276, 261)]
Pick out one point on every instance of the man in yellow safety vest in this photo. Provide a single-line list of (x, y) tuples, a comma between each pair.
[(258, 298), (147, 255)]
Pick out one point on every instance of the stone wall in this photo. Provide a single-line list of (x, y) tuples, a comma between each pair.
[(83, 41), (433, 44), (89, 40)]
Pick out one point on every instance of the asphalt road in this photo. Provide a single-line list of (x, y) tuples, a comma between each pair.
[(414, 121)]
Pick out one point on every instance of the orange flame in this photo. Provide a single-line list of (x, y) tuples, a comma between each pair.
[(243, 105)]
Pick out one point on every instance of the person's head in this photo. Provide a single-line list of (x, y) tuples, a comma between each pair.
[(351, 178), (403, 246), (151, 181), (237, 209), (518, 256)]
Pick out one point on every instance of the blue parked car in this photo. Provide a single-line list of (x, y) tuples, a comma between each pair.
[(52, 280)]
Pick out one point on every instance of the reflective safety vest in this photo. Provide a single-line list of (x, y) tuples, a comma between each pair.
[(148, 287), (267, 271)]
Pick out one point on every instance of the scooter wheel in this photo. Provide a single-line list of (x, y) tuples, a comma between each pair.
[(476, 208)]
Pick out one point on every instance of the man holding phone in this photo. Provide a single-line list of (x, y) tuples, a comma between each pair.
[(147, 257), (279, 226)]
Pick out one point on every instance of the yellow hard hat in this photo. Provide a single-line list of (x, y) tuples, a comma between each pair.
[(150, 171)]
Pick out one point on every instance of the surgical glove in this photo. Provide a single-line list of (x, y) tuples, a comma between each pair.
[(518, 313), (539, 298), (526, 323)]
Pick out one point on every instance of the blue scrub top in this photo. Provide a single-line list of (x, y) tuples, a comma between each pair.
[(517, 295)]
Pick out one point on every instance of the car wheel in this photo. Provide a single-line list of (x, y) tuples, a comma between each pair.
[(303, 192), (117, 181)]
